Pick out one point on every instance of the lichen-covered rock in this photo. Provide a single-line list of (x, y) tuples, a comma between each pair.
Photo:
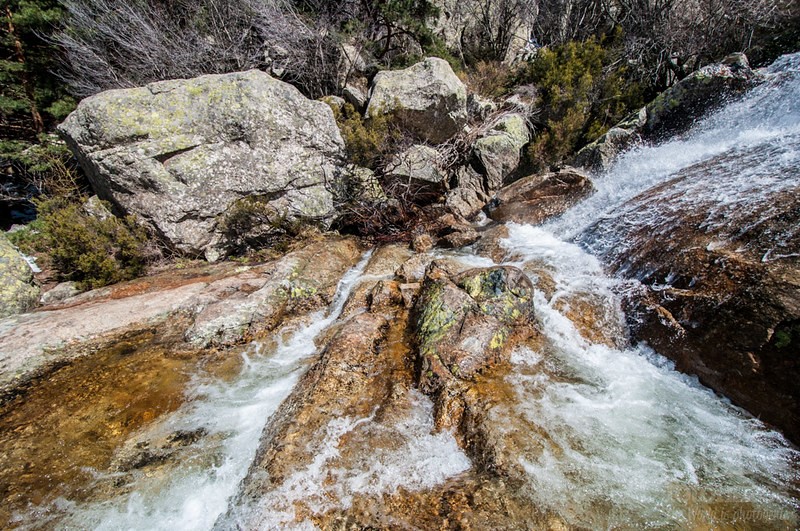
[(355, 97), (678, 107), (464, 323), (220, 305), (180, 153), (60, 292), (254, 302), (18, 293), (498, 151), (416, 172), (479, 107), (537, 198), (427, 98)]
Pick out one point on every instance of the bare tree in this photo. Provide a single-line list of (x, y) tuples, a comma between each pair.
[(113, 43), (668, 39)]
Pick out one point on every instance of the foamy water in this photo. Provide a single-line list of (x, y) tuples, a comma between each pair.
[(234, 415), (628, 441), (417, 459)]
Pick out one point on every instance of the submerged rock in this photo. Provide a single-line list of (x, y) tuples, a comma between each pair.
[(427, 98), (537, 198), (18, 293), (182, 154)]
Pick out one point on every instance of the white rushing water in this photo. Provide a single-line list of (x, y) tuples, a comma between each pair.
[(417, 459), (621, 439), (768, 116), (234, 414), (628, 441)]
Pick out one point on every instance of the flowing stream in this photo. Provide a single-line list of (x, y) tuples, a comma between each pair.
[(233, 414), (619, 438)]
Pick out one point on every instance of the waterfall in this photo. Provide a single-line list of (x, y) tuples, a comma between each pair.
[(623, 439), (233, 415), (610, 435), (627, 440), (767, 117)]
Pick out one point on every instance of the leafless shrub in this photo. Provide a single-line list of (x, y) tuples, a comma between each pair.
[(113, 44), (667, 39)]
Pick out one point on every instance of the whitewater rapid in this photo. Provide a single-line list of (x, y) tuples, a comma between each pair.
[(621, 439)]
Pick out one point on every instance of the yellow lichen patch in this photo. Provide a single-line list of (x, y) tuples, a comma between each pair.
[(498, 339)]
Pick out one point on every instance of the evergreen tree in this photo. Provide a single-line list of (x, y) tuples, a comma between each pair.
[(31, 98)]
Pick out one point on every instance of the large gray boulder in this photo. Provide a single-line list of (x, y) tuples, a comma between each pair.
[(499, 150), (182, 154), (427, 98), (416, 171), (18, 293)]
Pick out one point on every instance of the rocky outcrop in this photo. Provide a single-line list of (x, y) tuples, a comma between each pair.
[(356, 416), (537, 198), (469, 195), (673, 111), (427, 98), (495, 156), (220, 307), (183, 154), (601, 154), (465, 24), (716, 250), (465, 324), (255, 301), (498, 151), (18, 293), (415, 173)]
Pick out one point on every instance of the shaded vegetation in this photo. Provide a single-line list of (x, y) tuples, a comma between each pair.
[(251, 223), (583, 89), (91, 250)]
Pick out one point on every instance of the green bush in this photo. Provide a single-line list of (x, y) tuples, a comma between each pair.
[(490, 79), (252, 224), (583, 91), (89, 250), (367, 140)]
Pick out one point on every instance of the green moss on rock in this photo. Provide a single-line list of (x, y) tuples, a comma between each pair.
[(18, 293)]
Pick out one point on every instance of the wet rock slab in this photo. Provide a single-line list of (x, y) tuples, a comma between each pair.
[(716, 250), (226, 305), (537, 198)]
